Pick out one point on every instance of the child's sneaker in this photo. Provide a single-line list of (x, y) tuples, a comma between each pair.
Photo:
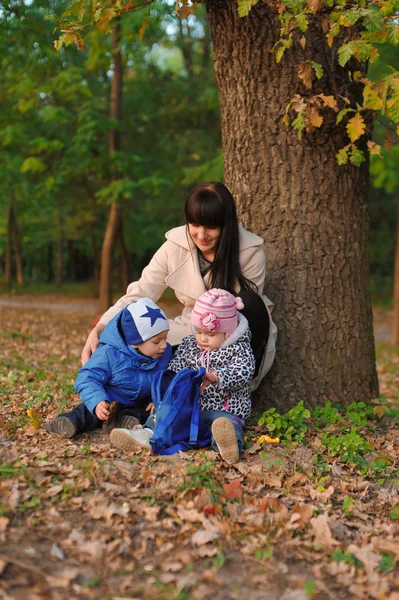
[(225, 436), (117, 421), (61, 426), (129, 440)]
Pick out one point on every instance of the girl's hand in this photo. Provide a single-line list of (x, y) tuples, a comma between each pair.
[(207, 379), (102, 410), (150, 407), (91, 344)]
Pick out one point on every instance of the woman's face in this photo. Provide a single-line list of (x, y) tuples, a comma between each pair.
[(205, 238)]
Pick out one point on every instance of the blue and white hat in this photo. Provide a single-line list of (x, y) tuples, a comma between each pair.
[(141, 320)]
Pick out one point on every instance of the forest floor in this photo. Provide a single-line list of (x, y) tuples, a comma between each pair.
[(293, 521)]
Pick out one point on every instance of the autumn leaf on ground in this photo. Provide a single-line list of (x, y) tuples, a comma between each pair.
[(34, 418), (233, 490)]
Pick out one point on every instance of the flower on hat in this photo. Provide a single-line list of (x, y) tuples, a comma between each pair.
[(209, 321)]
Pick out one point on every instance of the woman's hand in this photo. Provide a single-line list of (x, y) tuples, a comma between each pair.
[(102, 410), (92, 343)]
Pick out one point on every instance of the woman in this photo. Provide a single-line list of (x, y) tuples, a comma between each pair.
[(211, 251)]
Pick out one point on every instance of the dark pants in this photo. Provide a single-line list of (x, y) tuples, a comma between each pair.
[(85, 421), (257, 316)]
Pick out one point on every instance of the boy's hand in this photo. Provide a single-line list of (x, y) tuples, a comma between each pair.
[(150, 407), (207, 379), (102, 410)]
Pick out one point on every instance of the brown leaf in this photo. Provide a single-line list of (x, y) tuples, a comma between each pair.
[(314, 119), (305, 74), (314, 5), (202, 537), (322, 496), (233, 490), (322, 531)]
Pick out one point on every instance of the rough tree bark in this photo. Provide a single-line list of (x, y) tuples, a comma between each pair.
[(13, 240), (8, 266), (311, 212), (395, 325), (114, 219), (17, 247), (125, 262)]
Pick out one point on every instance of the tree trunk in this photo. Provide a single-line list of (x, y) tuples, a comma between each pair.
[(125, 266), (113, 225), (59, 270), (8, 267), (17, 246), (311, 212), (50, 262), (395, 325)]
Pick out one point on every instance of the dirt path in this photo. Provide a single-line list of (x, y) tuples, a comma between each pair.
[(382, 318)]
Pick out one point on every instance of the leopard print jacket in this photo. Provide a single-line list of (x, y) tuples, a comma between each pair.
[(234, 364)]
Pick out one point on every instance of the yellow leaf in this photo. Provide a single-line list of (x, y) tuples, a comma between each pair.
[(374, 148), (355, 127), (302, 41), (142, 29), (269, 440), (315, 119), (329, 101), (305, 73), (34, 418)]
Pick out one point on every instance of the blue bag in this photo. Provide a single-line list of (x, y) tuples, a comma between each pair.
[(178, 423)]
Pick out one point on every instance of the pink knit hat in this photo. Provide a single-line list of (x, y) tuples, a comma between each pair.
[(216, 312)]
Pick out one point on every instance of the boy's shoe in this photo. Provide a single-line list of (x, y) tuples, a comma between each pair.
[(126, 422), (129, 440), (116, 420), (225, 436), (61, 426)]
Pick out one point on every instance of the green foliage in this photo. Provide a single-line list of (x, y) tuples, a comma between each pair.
[(347, 557), (347, 446), (290, 426)]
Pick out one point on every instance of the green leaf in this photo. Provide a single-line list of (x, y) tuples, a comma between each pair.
[(318, 69), (284, 44), (345, 53), (342, 155), (302, 22), (357, 156), (33, 164), (394, 514), (299, 123), (387, 563), (244, 7)]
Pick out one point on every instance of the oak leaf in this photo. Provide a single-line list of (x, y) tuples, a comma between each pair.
[(315, 119), (305, 74), (322, 531), (356, 127), (233, 490), (202, 537)]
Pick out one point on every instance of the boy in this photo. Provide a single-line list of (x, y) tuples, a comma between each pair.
[(133, 348), (221, 343)]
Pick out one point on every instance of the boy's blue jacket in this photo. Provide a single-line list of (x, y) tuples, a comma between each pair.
[(116, 371)]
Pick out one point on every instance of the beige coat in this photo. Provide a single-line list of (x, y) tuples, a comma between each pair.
[(175, 265)]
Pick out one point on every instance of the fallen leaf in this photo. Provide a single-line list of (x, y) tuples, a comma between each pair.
[(233, 490), (202, 537), (322, 531)]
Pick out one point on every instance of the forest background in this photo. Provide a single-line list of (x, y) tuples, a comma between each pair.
[(55, 166)]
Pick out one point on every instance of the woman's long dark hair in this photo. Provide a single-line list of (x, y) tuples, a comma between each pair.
[(212, 205)]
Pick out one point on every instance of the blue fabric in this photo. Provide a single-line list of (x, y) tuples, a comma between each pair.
[(84, 421), (209, 416), (178, 424), (116, 371)]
